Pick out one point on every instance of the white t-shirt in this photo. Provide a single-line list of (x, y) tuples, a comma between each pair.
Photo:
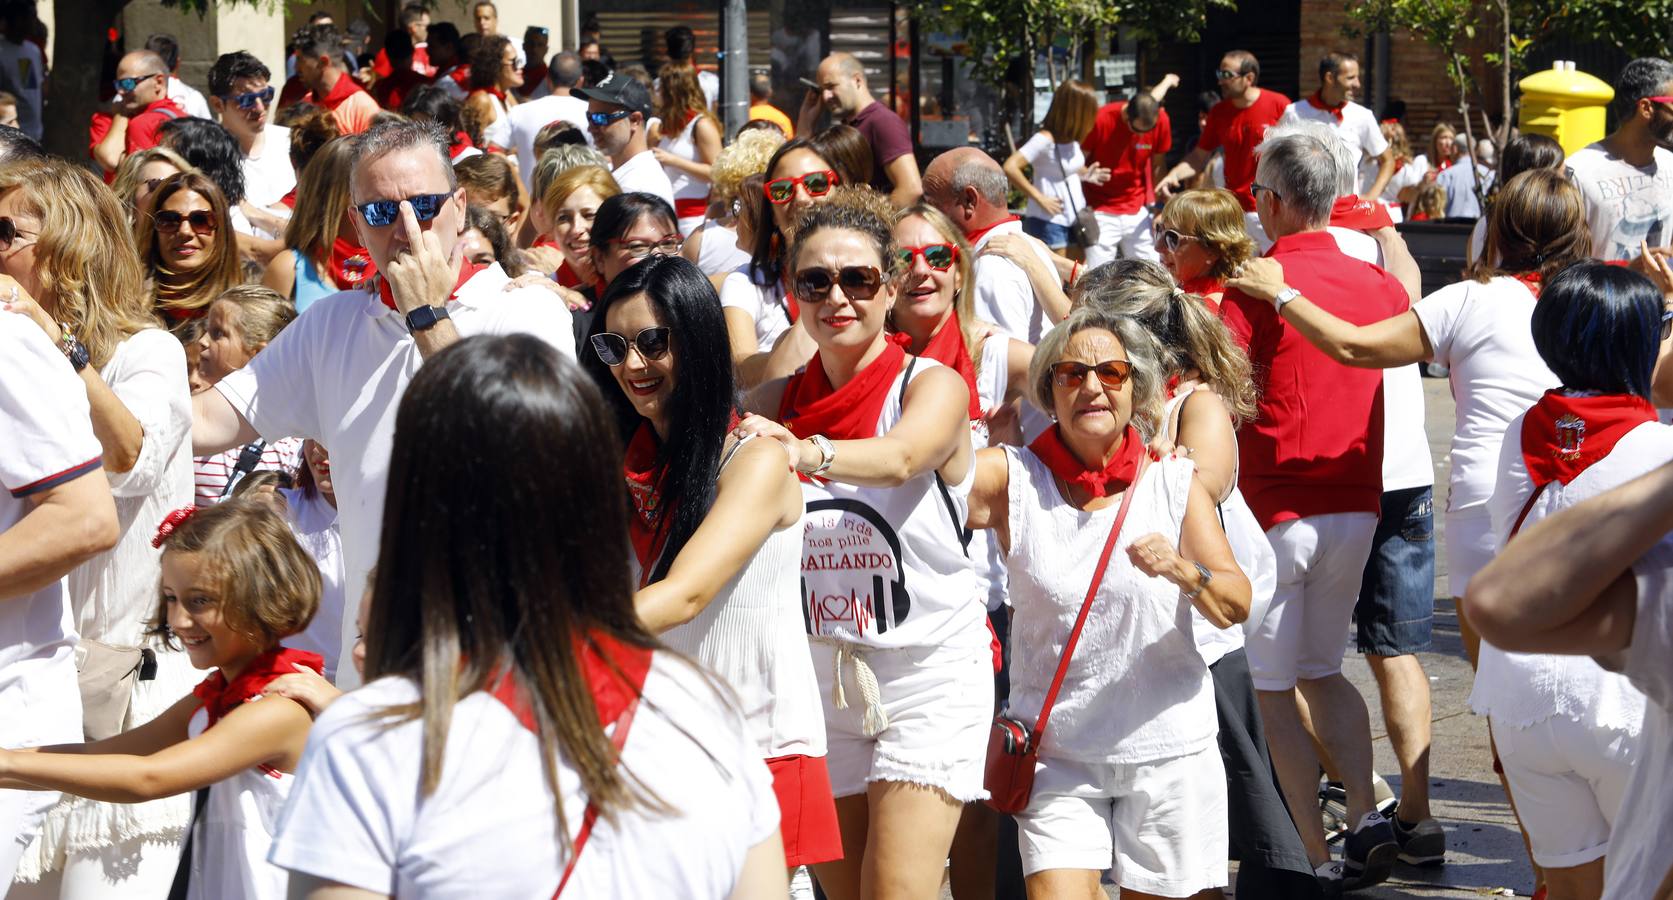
[(526, 120), (190, 98), (1004, 295), (1638, 844), (643, 173), (1481, 333), (49, 441), (356, 817), (1404, 176), (269, 177), (766, 304), (1625, 204), (337, 374), (314, 522), (1057, 170), (23, 74), (1358, 129)]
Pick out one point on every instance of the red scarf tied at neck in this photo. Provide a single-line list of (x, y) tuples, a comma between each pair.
[(1564, 434), (947, 347), (849, 413), (1317, 102), (975, 236), (351, 265), (466, 270), (221, 697), (647, 526), (1359, 214), (1112, 479)]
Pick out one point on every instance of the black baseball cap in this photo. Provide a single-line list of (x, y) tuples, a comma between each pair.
[(620, 90)]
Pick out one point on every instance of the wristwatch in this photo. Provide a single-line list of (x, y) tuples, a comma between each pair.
[(827, 454), (1284, 296), (425, 318), (74, 350), (1204, 577)]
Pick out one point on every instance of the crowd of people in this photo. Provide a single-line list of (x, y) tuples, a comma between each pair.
[(468, 470)]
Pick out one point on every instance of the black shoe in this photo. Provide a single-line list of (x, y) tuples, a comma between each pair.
[(1423, 844), (1369, 853)]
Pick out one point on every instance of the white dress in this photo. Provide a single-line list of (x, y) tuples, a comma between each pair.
[(232, 837)]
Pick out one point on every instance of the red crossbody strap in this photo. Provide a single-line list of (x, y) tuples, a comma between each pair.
[(1526, 508), (618, 739), (1086, 605)]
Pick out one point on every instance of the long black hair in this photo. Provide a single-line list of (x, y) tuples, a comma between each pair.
[(704, 395)]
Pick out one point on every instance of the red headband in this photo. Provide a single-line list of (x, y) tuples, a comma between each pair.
[(171, 522)]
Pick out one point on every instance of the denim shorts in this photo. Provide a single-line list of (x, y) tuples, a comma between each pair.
[(1056, 236), (1396, 609)]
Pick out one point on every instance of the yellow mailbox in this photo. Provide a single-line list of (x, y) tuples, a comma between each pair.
[(1565, 104)]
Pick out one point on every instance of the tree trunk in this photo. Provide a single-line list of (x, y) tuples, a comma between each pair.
[(1502, 137), (1469, 133), (78, 53)]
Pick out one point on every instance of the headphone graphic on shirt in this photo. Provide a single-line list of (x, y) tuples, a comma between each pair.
[(897, 600)]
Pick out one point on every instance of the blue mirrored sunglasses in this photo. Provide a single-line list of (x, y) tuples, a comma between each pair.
[(127, 85), (379, 213), (249, 101), (602, 120)]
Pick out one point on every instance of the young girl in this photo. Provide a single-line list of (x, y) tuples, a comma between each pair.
[(239, 323), (234, 584)]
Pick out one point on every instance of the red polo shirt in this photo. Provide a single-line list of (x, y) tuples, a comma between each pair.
[(1129, 156), (1238, 132), (1316, 444)]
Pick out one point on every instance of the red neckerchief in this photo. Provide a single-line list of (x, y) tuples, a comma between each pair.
[(946, 346), (1563, 434), (1317, 102), (849, 413), (533, 75), (1112, 479), (466, 270), (1445, 164), (566, 275), (644, 472), (1359, 214), (341, 91), (461, 75), (289, 199), (615, 674), (219, 697), (461, 143), (1533, 281), (350, 264), (1203, 285), (498, 93), (979, 233)]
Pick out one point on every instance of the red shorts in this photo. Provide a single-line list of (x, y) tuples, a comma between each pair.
[(807, 814)]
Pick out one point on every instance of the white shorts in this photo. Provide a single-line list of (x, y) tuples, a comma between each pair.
[(1252, 224), (1321, 562), (1159, 825), (1470, 545), (1567, 778), (1125, 236), (938, 703), (42, 707)]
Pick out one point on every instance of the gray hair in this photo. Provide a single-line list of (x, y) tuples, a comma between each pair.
[(1643, 77), (1302, 169), (1143, 352), (394, 135), (986, 177), (560, 159), (1347, 163)]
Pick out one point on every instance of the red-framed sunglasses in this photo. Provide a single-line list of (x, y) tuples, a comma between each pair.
[(817, 184), (939, 257)]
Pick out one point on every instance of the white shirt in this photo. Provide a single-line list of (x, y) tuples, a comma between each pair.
[(526, 119), (719, 253), (1638, 844), (1004, 295), (1481, 333), (1358, 129), (337, 374), (314, 522), (766, 304), (49, 441), (1404, 176), (355, 815), (684, 145), (1057, 170), (643, 173), (269, 177), (232, 837), (190, 98), (1625, 204), (23, 75)]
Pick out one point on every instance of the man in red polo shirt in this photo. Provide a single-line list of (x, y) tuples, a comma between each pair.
[(1311, 469), (142, 106), (319, 65), (1130, 138), (1236, 125)]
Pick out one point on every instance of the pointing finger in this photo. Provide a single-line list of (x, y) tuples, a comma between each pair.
[(409, 225)]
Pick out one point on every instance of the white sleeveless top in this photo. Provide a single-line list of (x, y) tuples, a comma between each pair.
[(1136, 690), (719, 251), (235, 831), (684, 145), (751, 636), (993, 379), (885, 567)]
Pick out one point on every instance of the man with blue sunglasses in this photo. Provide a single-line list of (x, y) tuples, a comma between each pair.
[(337, 373), (242, 97), (618, 110), (142, 106)]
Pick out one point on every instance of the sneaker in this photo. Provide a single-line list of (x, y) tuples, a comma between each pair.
[(1423, 844), (1329, 875), (1333, 804), (1369, 853)]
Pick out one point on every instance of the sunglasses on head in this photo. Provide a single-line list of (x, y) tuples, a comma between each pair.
[(379, 213), (1112, 373), (652, 343), (251, 100), (603, 119), (817, 184), (169, 221), (939, 257), (668, 246), (127, 85), (1169, 239), (9, 233), (858, 283)]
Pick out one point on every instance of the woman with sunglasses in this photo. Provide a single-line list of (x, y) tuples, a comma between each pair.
[(1129, 772), (68, 262), (323, 254), (494, 79), (894, 613), (139, 175), (716, 527), (187, 247), (1202, 240), (759, 311), (717, 246)]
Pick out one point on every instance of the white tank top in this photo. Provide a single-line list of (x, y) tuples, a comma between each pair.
[(887, 567), (684, 145), (235, 831), (751, 636), (1136, 689), (993, 379)]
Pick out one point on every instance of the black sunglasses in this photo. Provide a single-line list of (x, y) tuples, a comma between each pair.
[(652, 343), (9, 233), (169, 221), (379, 213), (1256, 187), (1666, 316), (858, 283), (1112, 373)]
